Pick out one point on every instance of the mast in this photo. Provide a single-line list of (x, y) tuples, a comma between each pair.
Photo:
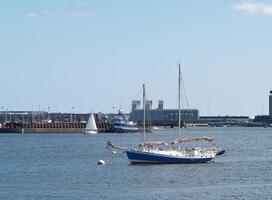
[(144, 109), (179, 101)]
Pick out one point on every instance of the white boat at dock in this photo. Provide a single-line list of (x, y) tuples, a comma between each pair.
[(91, 127)]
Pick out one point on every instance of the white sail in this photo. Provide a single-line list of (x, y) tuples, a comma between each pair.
[(91, 127)]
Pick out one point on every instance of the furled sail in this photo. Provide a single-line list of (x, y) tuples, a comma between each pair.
[(192, 139), (151, 143)]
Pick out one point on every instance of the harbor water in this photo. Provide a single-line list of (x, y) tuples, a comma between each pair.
[(64, 166)]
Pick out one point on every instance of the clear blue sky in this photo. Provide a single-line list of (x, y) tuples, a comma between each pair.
[(95, 54)]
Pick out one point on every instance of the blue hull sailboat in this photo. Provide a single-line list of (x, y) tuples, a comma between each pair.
[(137, 156), (158, 152), (150, 152)]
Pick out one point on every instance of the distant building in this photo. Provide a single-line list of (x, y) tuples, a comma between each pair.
[(22, 116), (160, 105), (207, 119), (262, 118), (270, 105), (136, 104), (161, 115), (148, 105), (45, 117)]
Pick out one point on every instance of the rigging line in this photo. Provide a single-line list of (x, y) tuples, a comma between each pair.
[(186, 100), (184, 91)]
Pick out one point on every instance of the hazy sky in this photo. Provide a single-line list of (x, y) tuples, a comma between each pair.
[(95, 54)]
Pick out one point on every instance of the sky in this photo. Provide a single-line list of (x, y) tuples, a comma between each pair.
[(94, 55)]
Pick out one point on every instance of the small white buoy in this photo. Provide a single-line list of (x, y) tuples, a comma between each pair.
[(114, 152), (101, 162)]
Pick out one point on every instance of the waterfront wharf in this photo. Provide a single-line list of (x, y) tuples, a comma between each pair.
[(63, 127)]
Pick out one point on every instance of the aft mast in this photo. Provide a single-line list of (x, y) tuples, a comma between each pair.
[(179, 119)]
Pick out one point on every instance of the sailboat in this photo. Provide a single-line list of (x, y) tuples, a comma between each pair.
[(91, 127), (160, 152)]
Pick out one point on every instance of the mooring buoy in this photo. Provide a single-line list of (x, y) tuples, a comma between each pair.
[(101, 162)]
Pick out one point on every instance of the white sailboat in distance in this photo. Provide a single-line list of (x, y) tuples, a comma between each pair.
[(91, 127)]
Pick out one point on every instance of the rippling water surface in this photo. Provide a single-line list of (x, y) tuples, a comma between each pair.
[(64, 166)]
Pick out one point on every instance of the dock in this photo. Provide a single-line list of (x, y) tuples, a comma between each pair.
[(64, 127)]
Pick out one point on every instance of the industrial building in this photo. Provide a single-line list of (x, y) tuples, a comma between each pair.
[(46, 117), (160, 115), (270, 105)]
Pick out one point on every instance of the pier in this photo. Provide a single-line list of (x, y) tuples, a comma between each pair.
[(66, 127), (44, 122)]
